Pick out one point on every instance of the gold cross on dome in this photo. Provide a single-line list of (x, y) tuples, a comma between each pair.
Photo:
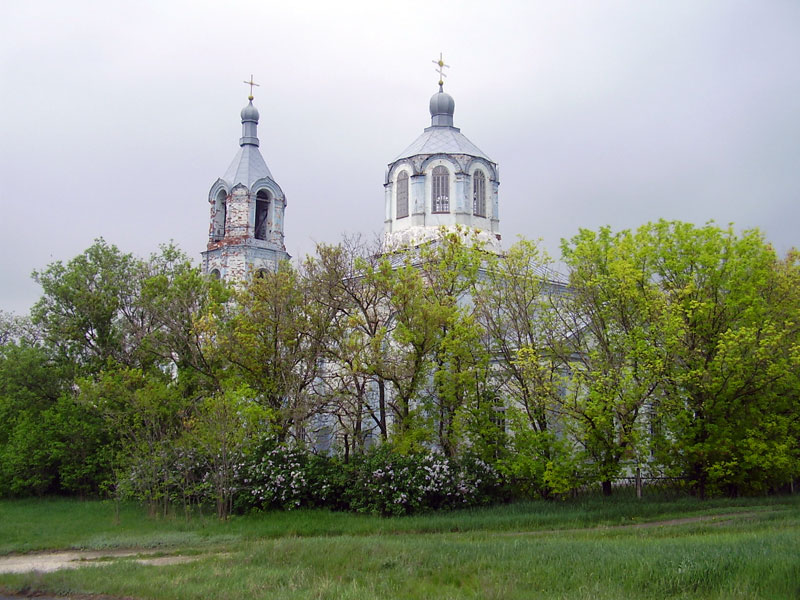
[(251, 83), (442, 67)]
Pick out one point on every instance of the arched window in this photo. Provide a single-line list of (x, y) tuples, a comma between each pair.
[(479, 194), (215, 274), (402, 195), (218, 220), (262, 215), (441, 190)]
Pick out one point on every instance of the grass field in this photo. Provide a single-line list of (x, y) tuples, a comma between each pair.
[(617, 548)]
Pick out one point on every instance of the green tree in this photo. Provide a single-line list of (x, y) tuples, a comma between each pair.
[(730, 410), (223, 428), (146, 413), (423, 287), (177, 303), (48, 442), (405, 344), (15, 328), (355, 393), (450, 269), (512, 303), (274, 339), (612, 336), (87, 304)]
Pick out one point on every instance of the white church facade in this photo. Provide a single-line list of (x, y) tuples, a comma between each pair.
[(441, 180)]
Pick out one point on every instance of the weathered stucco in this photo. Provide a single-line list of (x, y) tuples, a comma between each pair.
[(233, 251)]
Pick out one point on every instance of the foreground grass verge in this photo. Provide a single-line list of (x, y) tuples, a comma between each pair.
[(532, 550)]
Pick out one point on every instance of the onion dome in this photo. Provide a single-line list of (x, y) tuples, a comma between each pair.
[(442, 137), (250, 113), (442, 108), (248, 165)]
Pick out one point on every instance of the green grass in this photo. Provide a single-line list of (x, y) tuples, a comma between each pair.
[(529, 550)]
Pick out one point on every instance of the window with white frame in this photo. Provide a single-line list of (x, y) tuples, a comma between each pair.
[(440, 186), (402, 195), (479, 194)]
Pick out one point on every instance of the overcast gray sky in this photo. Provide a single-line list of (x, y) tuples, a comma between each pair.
[(117, 117)]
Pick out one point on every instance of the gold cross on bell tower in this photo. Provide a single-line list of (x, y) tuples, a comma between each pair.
[(441, 67), (251, 83)]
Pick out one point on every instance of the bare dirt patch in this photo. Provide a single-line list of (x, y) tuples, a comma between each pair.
[(47, 562)]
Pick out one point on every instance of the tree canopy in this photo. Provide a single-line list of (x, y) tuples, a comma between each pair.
[(672, 350)]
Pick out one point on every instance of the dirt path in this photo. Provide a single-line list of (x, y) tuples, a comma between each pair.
[(682, 521), (47, 562), (718, 519)]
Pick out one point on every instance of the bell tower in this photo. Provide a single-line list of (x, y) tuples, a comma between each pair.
[(245, 233)]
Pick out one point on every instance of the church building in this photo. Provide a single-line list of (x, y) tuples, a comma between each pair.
[(441, 180)]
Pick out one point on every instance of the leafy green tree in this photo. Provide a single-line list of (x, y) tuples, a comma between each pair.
[(146, 413), (540, 463), (29, 385), (177, 303), (354, 392), (730, 409), (87, 304), (223, 429), (18, 329), (512, 303), (81, 446), (612, 336), (405, 346), (130, 331), (48, 442), (274, 339), (430, 355), (451, 268)]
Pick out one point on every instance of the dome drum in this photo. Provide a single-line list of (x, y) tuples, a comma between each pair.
[(441, 180)]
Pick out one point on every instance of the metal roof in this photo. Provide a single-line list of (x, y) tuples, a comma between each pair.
[(442, 140), (248, 166)]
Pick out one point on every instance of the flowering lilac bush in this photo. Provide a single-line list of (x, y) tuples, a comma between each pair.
[(274, 479), (388, 483), (381, 481)]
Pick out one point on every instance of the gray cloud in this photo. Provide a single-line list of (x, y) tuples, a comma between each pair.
[(116, 118)]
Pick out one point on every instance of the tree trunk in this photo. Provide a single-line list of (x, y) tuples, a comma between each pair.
[(607, 487), (382, 409), (699, 476), (358, 433)]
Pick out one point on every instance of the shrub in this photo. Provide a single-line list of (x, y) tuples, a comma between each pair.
[(381, 481), (278, 476), (389, 483), (275, 479)]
